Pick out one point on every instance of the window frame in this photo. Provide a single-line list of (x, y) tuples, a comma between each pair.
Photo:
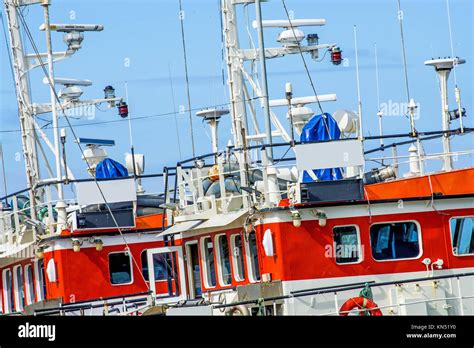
[(19, 306), (29, 293), (131, 267), (451, 238), (7, 297), (248, 257), (420, 241), (190, 270), (203, 260), (39, 282), (220, 272), (232, 238), (148, 280), (359, 245)]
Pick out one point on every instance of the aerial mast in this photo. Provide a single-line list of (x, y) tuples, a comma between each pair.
[(23, 94)]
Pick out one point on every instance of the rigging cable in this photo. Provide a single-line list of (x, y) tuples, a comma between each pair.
[(307, 69), (42, 64), (85, 124), (175, 113), (183, 40)]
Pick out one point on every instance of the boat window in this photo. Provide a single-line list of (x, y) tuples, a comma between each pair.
[(237, 257), (208, 253), (225, 274), (8, 291), (161, 265), (30, 290), (40, 283), (19, 288), (462, 235), (397, 240), (120, 268), (346, 244), (254, 270)]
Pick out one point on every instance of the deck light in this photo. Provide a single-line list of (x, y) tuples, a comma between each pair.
[(199, 163), (76, 245), (99, 244), (296, 217), (123, 109), (321, 216), (40, 252), (109, 92), (336, 55)]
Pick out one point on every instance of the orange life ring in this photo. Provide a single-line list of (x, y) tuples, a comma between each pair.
[(362, 304)]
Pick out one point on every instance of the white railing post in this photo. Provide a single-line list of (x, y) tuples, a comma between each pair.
[(16, 219), (220, 162), (50, 210)]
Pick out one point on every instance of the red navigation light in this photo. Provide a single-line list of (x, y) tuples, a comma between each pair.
[(123, 109), (336, 55)]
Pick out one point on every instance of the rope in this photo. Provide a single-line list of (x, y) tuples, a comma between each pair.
[(366, 292)]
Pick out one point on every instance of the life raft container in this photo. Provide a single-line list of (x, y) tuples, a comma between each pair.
[(363, 304)]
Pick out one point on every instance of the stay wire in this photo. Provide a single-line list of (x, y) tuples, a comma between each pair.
[(42, 64)]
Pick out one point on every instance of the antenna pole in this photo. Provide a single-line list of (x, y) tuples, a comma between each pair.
[(457, 91), (54, 111), (379, 112), (263, 66), (181, 19), (132, 148), (400, 20), (359, 99)]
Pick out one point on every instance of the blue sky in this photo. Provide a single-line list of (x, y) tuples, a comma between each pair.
[(141, 44)]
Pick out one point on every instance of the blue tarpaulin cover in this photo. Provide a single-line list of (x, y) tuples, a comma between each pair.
[(321, 127), (109, 168)]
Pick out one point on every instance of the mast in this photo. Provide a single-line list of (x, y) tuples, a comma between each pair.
[(235, 78), (263, 67), (54, 111), (23, 94)]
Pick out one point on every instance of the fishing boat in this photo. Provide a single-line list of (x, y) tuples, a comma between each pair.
[(298, 226)]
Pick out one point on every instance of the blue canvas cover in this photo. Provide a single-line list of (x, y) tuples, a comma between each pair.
[(321, 127), (109, 168)]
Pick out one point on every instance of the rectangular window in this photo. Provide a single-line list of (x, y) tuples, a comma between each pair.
[(225, 274), (254, 270), (120, 268), (208, 252), (237, 257), (8, 297), (39, 279), (30, 290), (346, 244), (19, 288), (397, 240), (161, 265), (462, 235)]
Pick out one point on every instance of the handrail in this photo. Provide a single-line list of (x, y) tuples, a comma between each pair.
[(325, 290)]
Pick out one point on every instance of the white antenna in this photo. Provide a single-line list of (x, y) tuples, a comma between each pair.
[(132, 148), (457, 91), (358, 83), (379, 112), (402, 38)]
